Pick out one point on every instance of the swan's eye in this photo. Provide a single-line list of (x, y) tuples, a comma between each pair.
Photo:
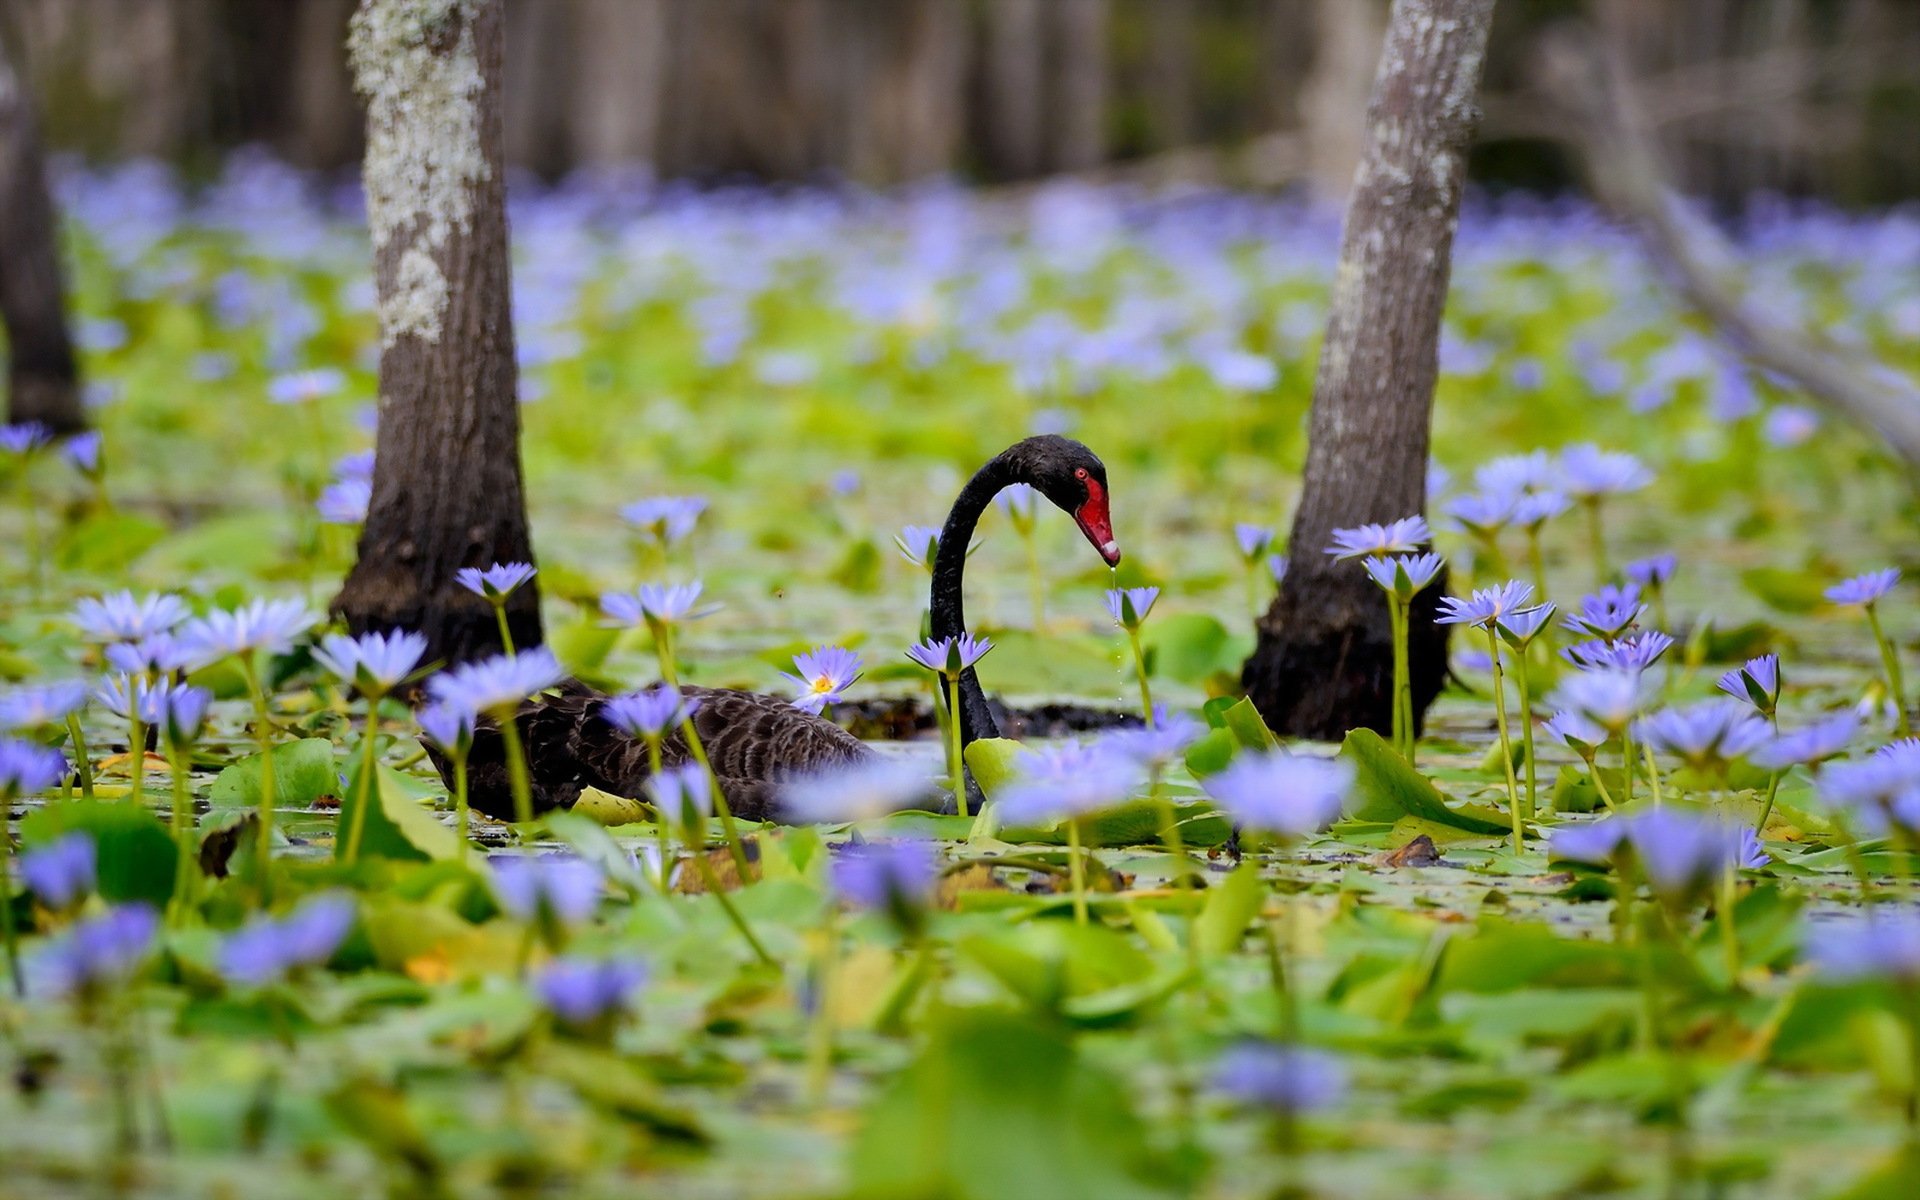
[(1079, 472)]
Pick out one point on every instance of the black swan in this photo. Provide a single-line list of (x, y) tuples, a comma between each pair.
[(756, 741)]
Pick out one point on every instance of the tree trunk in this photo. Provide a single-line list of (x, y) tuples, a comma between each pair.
[(1169, 83), (1014, 80), (1080, 82), (446, 480), (619, 79), (1333, 101), (1323, 663), (42, 382)]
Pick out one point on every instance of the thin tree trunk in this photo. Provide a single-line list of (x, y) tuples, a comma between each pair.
[(1080, 77), (620, 78), (1333, 101), (320, 129), (1323, 662), (446, 483), (42, 382), (1170, 105), (1015, 123)]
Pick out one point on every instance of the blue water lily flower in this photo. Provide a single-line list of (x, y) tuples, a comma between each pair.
[(345, 501), (1881, 943), (857, 792), (583, 992), (823, 676), (27, 768), (268, 949), (683, 794), (1756, 682), (650, 713), (1866, 589), (1289, 796), (1607, 614), (61, 873), (1487, 606), (497, 685), (95, 955), (124, 617), (949, 656), (1282, 1078), (448, 726), (1588, 471), (919, 544), (1705, 736), (375, 663), (1404, 536), (891, 877), (259, 625), (1609, 697), (1130, 606), (551, 887), (39, 706), (665, 519), (1815, 743), (1067, 782), (497, 582), (1635, 652), (1404, 575)]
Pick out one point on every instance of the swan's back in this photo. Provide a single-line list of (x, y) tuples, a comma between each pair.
[(754, 742)]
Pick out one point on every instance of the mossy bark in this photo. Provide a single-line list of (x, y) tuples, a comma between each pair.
[(447, 489)]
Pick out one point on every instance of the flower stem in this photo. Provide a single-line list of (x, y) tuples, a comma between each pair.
[(665, 830), (1597, 537), (181, 819), (1766, 809), (269, 783), (83, 763), (820, 1035), (720, 807), (1397, 622), (11, 936), (726, 903), (137, 759), (1140, 673), (1506, 742), (956, 765), (1526, 730), (1653, 772), (1537, 561), (1626, 764), (1035, 581), (506, 634), (1077, 871), (363, 795), (1890, 657), (462, 815), (517, 773), (1600, 785)]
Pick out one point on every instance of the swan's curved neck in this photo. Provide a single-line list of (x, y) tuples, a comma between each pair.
[(948, 607)]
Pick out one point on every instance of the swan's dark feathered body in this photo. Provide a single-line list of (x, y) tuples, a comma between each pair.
[(753, 741)]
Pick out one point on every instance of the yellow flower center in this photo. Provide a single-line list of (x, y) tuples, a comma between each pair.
[(823, 683)]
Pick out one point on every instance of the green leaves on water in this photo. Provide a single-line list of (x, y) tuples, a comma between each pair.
[(303, 773), (135, 855), (1386, 789), (398, 823), (999, 1104)]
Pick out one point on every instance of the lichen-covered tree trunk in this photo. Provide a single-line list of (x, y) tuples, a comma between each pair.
[(446, 482), (1323, 662), (43, 384)]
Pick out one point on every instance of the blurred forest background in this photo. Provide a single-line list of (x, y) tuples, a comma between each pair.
[(1811, 97)]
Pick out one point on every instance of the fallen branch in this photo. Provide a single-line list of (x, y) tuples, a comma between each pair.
[(1583, 78)]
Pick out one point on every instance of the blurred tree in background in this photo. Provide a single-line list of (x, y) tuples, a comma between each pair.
[(1792, 95)]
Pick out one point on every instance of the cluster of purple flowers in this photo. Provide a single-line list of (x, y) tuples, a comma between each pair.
[(1679, 854), (268, 949)]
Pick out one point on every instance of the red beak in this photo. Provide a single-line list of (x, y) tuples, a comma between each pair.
[(1097, 523)]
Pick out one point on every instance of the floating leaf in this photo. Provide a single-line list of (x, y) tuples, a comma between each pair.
[(135, 853), (303, 773), (1388, 789)]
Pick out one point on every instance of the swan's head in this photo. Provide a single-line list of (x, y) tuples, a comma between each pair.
[(1073, 477)]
